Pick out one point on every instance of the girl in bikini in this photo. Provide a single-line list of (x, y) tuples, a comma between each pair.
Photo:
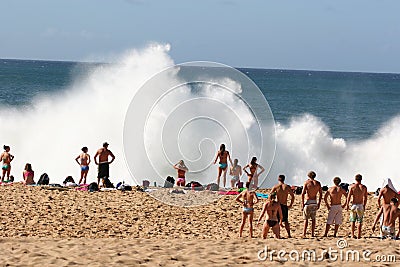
[(84, 163), (28, 175), (223, 156), (6, 159), (182, 169), (253, 174)]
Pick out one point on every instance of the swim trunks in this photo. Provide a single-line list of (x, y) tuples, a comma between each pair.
[(271, 223), (248, 210), (357, 213), (310, 209), (85, 168), (235, 179), (223, 165), (335, 215), (387, 231), (285, 213), (104, 169)]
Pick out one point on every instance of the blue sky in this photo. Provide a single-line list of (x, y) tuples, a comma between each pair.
[(349, 35)]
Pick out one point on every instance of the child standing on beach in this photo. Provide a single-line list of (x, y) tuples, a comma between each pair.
[(84, 158), (247, 198), (6, 159)]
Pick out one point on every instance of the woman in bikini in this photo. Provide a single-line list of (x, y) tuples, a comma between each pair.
[(272, 208), (253, 174), (223, 156), (182, 169), (235, 172), (6, 159), (84, 163), (28, 175), (247, 198)]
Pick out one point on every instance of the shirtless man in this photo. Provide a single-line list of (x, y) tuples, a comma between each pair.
[(360, 195), (390, 214), (272, 220), (247, 198), (335, 194), (104, 165), (282, 192), (223, 156), (235, 172), (84, 163), (387, 193), (6, 159), (311, 188)]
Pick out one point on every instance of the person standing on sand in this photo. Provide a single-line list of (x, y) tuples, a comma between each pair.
[(182, 169), (235, 172), (274, 217), (104, 165), (282, 191), (360, 196), (223, 156), (84, 158), (387, 193), (6, 159), (253, 174), (390, 213), (247, 198), (311, 188), (335, 194)]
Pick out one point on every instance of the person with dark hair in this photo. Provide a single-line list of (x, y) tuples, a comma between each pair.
[(390, 214), (6, 159), (335, 194), (104, 165), (28, 175), (360, 196), (311, 188), (83, 160), (274, 217), (282, 191), (247, 198), (253, 174), (223, 156)]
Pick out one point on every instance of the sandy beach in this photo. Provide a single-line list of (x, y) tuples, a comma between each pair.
[(41, 227)]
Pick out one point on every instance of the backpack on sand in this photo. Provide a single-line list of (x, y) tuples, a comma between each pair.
[(44, 179)]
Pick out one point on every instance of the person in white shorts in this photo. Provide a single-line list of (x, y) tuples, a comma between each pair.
[(335, 206)]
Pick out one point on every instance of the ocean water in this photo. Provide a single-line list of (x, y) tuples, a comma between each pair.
[(336, 123)]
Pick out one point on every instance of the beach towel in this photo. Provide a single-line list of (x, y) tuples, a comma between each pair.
[(261, 195), (228, 193)]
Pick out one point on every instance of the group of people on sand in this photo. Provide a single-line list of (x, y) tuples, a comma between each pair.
[(101, 159), (276, 207), (235, 170)]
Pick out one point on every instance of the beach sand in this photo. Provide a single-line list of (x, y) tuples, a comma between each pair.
[(43, 227)]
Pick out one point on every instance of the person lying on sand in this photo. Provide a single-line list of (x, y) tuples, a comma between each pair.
[(335, 206), (247, 198), (390, 214), (274, 217), (360, 196), (311, 188), (282, 192)]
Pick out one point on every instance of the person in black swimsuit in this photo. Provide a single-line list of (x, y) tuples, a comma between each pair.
[(273, 210)]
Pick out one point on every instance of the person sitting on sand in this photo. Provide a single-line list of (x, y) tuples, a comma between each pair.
[(311, 188), (360, 196), (6, 158), (390, 213), (28, 175), (223, 156), (247, 198), (182, 169), (274, 217), (84, 163), (282, 192), (253, 174), (335, 206), (104, 165), (235, 172)]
